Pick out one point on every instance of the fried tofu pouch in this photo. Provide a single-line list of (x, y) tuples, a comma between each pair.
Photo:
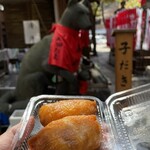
[(53, 111), (69, 133)]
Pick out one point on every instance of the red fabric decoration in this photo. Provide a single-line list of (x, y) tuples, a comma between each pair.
[(83, 86), (142, 2), (66, 48), (84, 36)]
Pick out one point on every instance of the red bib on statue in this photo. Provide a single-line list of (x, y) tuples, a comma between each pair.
[(65, 48)]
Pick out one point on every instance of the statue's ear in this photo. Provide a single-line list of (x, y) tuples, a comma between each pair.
[(86, 2), (72, 2)]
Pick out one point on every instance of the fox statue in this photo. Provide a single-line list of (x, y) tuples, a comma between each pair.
[(57, 53)]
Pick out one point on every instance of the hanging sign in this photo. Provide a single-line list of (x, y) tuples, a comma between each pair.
[(31, 31)]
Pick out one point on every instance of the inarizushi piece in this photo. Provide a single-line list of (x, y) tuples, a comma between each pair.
[(69, 133), (53, 111)]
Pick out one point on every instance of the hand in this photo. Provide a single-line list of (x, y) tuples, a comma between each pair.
[(7, 137)]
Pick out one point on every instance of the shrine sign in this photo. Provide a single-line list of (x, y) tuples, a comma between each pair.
[(123, 58)]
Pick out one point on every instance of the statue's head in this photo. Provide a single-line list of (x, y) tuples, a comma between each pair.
[(76, 15)]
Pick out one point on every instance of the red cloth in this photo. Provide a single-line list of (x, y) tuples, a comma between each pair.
[(84, 36), (126, 19), (110, 24), (142, 2), (83, 87), (65, 48)]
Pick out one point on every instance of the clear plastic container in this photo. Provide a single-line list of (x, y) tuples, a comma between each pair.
[(126, 115), (129, 118), (16, 117)]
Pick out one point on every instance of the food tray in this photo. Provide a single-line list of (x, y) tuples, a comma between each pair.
[(129, 118), (125, 114), (32, 110)]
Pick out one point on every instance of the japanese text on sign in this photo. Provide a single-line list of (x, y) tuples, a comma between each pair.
[(124, 48)]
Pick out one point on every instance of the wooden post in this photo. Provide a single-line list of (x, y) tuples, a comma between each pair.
[(123, 58)]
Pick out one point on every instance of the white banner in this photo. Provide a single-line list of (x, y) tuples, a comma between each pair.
[(146, 42), (139, 29)]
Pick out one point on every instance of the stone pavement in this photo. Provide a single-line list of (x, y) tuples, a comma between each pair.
[(109, 71), (103, 60)]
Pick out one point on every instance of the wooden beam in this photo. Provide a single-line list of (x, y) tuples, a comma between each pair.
[(40, 17)]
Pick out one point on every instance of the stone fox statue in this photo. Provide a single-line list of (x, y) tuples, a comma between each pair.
[(55, 54)]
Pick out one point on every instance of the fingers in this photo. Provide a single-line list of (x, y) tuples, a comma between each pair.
[(29, 127), (16, 129)]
